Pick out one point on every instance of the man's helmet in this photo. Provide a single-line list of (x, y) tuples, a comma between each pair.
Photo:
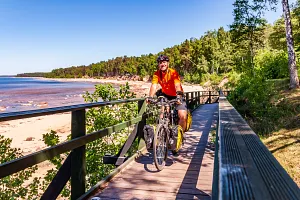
[(162, 58)]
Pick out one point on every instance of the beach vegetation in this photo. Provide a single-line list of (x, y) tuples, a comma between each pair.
[(24, 185), (97, 119), (21, 185)]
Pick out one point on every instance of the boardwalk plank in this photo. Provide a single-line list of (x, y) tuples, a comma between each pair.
[(157, 184), (144, 194), (193, 175), (175, 179), (187, 176)]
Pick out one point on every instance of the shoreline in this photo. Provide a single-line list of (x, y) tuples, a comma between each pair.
[(93, 80), (187, 87), (21, 129), (27, 133)]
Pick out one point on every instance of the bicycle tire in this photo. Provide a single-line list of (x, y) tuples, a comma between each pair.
[(160, 148)]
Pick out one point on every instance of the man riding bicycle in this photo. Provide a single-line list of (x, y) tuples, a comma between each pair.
[(169, 81)]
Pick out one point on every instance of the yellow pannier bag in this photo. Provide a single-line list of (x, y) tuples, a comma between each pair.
[(177, 138), (189, 121)]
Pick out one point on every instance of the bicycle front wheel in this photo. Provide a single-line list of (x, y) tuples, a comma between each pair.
[(160, 150)]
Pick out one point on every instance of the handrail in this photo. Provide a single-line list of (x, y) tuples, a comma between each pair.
[(246, 169), (49, 153), (75, 162), (62, 109)]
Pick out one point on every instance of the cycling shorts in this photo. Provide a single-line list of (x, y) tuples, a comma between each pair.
[(181, 106)]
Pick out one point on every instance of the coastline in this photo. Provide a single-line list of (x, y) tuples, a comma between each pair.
[(21, 129), (27, 134), (134, 85)]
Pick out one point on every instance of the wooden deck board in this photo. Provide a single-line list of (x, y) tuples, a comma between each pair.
[(187, 176), (146, 194)]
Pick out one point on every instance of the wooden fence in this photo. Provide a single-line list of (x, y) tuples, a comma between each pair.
[(74, 166)]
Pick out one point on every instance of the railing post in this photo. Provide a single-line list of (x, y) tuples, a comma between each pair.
[(201, 94), (209, 100), (78, 162), (197, 100), (187, 100), (141, 110), (193, 101)]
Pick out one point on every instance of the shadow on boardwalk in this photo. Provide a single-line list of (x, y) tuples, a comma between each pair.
[(187, 176), (197, 158)]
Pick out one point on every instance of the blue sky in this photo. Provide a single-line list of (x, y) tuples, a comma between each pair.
[(38, 36)]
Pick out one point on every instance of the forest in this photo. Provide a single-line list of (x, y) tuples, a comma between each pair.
[(249, 44)]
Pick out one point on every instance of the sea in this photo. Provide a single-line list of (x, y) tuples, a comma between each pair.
[(20, 94)]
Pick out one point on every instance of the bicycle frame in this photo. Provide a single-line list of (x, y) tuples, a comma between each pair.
[(168, 112), (162, 136), (167, 116)]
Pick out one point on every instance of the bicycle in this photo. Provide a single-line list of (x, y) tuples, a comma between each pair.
[(165, 131)]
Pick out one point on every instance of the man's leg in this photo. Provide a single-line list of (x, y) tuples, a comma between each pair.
[(182, 114), (162, 110)]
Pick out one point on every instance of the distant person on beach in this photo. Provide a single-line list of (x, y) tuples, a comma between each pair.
[(169, 81)]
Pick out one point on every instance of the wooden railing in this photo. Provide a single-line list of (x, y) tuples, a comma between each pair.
[(74, 166), (244, 168)]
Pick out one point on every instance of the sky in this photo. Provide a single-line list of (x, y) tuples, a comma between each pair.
[(38, 36)]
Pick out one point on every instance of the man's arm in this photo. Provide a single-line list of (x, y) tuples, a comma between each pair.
[(153, 85), (177, 82), (152, 89), (178, 87)]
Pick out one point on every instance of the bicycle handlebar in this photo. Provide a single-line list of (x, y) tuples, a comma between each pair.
[(161, 100)]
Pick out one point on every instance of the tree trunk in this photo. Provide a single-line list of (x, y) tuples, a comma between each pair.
[(252, 50), (294, 80)]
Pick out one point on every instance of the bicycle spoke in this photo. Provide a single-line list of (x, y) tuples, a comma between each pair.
[(160, 148)]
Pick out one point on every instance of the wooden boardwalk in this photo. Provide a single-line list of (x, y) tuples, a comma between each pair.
[(187, 176)]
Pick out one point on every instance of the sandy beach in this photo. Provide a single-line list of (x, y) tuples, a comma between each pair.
[(26, 134), (141, 88)]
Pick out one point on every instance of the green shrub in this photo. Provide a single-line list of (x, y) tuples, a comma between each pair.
[(100, 118), (19, 185), (233, 79), (22, 186), (251, 98), (97, 119), (272, 64), (260, 103), (192, 78), (213, 78)]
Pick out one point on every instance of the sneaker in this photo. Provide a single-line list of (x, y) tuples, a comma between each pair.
[(175, 153)]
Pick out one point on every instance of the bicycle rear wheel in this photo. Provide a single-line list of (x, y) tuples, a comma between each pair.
[(160, 150)]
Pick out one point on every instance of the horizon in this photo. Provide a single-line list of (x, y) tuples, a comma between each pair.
[(37, 40)]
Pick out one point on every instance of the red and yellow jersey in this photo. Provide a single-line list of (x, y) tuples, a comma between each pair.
[(167, 81)]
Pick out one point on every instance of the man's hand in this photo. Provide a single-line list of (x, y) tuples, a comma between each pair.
[(179, 97), (148, 99), (179, 93)]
